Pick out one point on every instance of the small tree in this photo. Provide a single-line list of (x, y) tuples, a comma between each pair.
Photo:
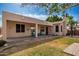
[(54, 18), (71, 23)]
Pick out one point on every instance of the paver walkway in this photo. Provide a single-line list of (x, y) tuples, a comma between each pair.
[(73, 49)]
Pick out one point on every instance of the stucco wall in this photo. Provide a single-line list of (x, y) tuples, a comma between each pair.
[(60, 32), (50, 30), (11, 30)]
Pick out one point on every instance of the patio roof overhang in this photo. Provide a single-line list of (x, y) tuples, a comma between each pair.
[(25, 19)]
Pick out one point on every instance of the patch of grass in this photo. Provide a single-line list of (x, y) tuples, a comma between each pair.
[(68, 41), (46, 51), (51, 48), (41, 51)]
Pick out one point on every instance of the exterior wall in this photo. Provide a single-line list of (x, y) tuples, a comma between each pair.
[(4, 16), (64, 27), (50, 30), (54, 30), (60, 32), (11, 30)]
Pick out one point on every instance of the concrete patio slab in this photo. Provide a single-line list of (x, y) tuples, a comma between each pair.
[(73, 49)]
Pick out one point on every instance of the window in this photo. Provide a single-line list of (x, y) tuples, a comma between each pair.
[(17, 27), (42, 29), (20, 28), (57, 28)]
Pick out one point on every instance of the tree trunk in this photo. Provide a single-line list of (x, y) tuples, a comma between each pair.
[(71, 29), (74, 31)]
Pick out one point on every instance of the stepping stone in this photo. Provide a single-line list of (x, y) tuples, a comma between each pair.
[(73, 49)]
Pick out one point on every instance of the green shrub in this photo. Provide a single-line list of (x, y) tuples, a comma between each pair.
[(2, 42)]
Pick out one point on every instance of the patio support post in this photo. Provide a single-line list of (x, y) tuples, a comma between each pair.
[(36, 30), (59, 29)]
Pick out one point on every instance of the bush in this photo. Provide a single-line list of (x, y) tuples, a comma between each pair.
[(2, 42)]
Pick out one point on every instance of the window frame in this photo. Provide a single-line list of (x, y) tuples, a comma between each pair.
[(20, 28)]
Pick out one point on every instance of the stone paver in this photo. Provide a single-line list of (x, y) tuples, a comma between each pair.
[(73, 49)]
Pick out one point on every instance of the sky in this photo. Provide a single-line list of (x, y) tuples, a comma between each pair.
[(33, 11)]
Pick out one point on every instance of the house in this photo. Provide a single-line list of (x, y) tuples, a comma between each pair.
[(14, 25)]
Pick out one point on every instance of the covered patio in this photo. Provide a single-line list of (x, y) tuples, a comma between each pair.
[(18, 26), (22, 29), (21, 26)]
